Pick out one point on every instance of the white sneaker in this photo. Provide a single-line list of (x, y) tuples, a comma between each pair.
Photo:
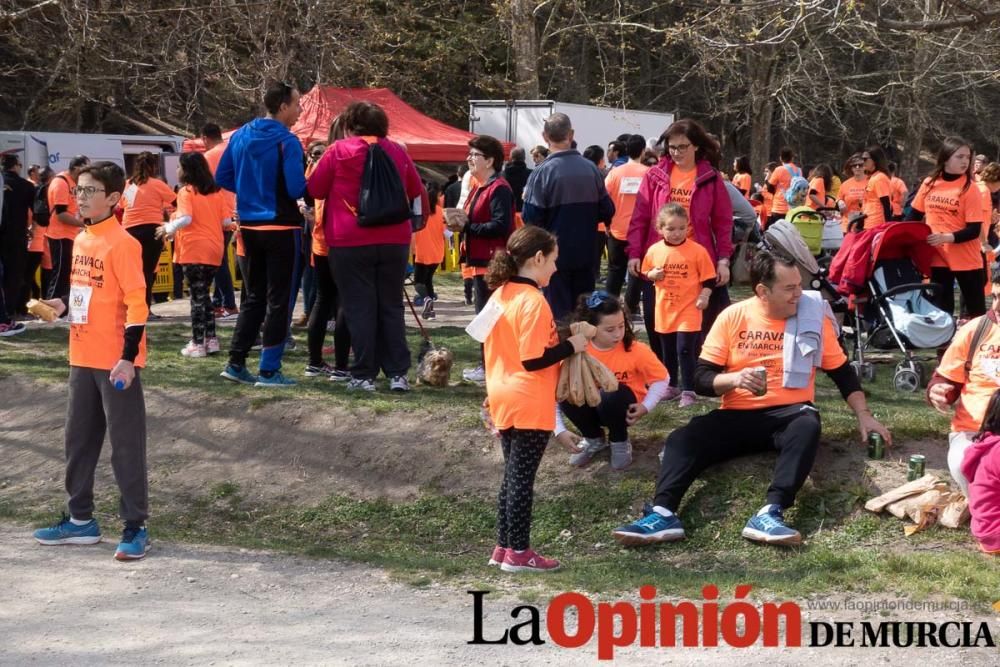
[(399, 383), (212, 345), (193, 350), (360, 385), (477, 374)]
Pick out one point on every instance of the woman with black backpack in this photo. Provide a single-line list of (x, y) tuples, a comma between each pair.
[(367, 225)]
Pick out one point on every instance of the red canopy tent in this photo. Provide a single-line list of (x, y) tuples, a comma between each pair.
[(426, 139)]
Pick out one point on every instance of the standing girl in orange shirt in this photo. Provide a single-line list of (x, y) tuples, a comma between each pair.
[(950, 203), (522, 352), (642, 383), (428, 252), (683, 275), (144, 202), (203, 210)]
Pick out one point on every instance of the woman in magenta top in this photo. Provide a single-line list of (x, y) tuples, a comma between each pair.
[(688, 175), (368, 263)]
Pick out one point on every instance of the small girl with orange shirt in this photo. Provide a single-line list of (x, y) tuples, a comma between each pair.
[(642, 383), (522, 353), (428, 252), (203, 211), (683, 275)]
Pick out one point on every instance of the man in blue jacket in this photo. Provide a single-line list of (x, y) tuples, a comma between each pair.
[(264, 166), (565, 194)]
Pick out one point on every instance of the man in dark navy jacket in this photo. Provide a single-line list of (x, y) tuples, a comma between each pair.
[(565, 194)]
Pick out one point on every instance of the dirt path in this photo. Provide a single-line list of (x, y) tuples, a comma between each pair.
[(187, 605)]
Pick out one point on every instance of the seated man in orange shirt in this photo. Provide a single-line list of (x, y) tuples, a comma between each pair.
[(757, 415)]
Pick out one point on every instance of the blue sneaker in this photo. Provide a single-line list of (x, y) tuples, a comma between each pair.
[(134, 544), (241, 375), (276, 380), (769, 526), (67, 532), (652, 527)]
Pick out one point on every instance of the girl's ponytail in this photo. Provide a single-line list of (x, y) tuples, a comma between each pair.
[(522, 245), (501, 269)]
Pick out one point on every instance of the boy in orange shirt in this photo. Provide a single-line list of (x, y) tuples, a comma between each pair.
[(107, 347), (683, 275)]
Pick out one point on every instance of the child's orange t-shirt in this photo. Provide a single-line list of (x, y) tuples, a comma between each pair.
[(636, 368), (948, 206), (144, 204), (428, 243), (878, 186), (622, 184), (107, 294), (686, 267), (60, 193), (201, 242), (520, 398), (743, 336)]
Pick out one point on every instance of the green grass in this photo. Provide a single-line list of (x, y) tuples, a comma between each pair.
[(434, 537), (437, 537)]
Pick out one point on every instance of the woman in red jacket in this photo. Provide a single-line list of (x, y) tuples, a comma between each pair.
[(490, 207), (687, 175)]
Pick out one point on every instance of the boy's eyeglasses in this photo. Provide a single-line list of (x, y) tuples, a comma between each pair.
[(86, 191), (317, 155), (597, 298)]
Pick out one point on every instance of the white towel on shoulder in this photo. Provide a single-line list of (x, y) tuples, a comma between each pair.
[(803, 344)]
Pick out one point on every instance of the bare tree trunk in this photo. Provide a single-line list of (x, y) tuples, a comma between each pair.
[(762, 69), (524, 43)]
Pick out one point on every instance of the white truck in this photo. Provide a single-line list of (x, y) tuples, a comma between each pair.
[(520, 121), (56, 149)]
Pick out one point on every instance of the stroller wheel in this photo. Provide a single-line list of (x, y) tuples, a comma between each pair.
[(920, 368), (906, 380)]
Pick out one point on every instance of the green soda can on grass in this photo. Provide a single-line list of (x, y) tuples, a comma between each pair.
[(915, 468), (876, 446)]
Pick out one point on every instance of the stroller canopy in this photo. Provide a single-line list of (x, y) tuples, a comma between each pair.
[(783, 235)]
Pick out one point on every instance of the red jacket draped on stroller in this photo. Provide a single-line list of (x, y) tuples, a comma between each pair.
[(853, 264)]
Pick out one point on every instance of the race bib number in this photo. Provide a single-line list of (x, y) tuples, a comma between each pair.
[(130, 192), (79, 303), (630, 185)]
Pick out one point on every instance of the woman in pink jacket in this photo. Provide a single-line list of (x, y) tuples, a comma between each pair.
[(368, 263), (688, 175), (981, 467)]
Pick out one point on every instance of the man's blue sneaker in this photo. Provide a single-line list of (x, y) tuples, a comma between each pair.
[(276, 380), (134, 544), (241, 375), (67, 532), (652, 527), (769, 526)]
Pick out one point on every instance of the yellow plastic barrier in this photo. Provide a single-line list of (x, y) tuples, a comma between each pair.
[(164, 281)]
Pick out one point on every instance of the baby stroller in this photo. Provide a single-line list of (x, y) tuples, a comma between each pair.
[(882, 270)]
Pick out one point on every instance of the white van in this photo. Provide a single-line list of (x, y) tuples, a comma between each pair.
[(56, 149)]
